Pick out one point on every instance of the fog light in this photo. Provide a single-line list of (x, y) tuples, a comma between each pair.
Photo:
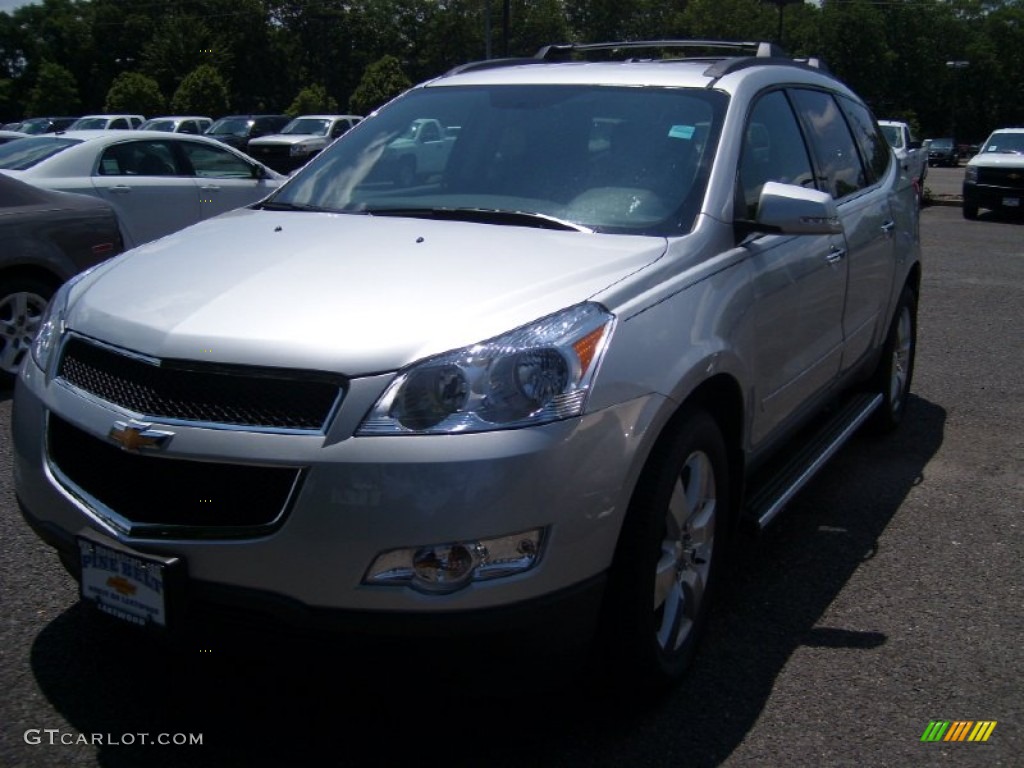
[(441, 568)]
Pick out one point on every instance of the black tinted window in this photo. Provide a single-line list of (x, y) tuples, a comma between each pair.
[(872, 143), (773, 150), (839, 164)]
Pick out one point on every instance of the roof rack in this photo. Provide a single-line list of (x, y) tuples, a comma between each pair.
[(750, 54), (758, 49)]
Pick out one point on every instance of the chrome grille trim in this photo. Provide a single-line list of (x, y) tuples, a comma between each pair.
[(200, 393)]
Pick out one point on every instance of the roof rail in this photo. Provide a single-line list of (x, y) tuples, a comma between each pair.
[(474, 66), (758, 49), (724, 67)]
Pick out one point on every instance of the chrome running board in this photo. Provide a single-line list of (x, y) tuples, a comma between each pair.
[(770, 499)]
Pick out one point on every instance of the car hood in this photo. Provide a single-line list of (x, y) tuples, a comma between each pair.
[(998, 160), (291, 138), (352, 294)]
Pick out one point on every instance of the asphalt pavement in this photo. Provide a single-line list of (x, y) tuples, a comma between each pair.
[(886, 597)]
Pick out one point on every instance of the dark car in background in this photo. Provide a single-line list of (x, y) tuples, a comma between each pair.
[(37, 125), (238, 130), (45, 238), (943, 152)]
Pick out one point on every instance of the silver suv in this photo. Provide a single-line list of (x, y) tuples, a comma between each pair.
[(536, 390)]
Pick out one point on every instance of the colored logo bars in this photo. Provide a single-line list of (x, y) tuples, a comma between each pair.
[(958, 730)]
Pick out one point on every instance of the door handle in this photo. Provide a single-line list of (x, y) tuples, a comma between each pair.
[(835, 255), (209, 187), (120, 188), (888, 227)]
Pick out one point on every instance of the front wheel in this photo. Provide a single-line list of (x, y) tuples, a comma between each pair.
[(668, 557), (970, 211)]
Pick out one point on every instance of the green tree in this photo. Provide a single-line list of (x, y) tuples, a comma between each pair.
[(382, 81), (202, 92), (179, 46), (54, 93), (313, 99), (133, 92)]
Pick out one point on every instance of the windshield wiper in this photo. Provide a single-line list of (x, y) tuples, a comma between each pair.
[(274, 205), (485, 216)]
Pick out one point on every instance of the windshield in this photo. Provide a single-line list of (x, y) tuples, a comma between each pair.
[(611, 159), (305, 126), (233, 126), (157, 125), (22, 154), (89, 124), (894, 135), (1008, 143), (35, 126), (942, 144)]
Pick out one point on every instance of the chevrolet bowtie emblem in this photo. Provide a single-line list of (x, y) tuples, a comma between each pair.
[(135, 436)]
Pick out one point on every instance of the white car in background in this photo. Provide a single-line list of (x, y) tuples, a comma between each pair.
[(194, 124), (107, 123), (158, 182)]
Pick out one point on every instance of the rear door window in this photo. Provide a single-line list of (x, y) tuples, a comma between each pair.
[(840, 169), (868, 135)]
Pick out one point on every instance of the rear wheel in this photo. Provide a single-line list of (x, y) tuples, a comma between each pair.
[(896, 368), (22, 303), (668, 557), (970, 211)]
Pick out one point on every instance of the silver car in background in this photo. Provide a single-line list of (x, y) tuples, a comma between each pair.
[(534, 392), (158, 182)]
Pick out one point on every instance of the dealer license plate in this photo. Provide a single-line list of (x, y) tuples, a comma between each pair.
[(1011, 202), (128, 585)]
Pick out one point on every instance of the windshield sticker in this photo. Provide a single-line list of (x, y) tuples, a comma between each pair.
[(681, 132)]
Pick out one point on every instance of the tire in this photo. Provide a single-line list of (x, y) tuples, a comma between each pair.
[(896, 368), (970, 211), (22, 303), (668, 558)]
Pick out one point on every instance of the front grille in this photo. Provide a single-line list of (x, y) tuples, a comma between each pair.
[(270, 150), (201, 392), (1012, 178), (160, 496)]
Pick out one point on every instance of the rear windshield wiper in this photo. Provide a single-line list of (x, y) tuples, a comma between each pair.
[(483, 215)]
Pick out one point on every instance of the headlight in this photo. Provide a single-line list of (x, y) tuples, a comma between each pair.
[(539, 373), (51, 327), (971, 174)]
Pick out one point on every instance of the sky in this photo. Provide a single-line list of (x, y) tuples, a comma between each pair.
[(10, 5)]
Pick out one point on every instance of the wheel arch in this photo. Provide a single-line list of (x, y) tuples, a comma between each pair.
[(721, 397), (31, 272)]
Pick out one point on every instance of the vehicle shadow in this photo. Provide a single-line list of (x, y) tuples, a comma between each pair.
[(395, 706)]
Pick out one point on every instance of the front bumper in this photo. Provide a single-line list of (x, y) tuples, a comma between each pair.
[(993, 197), (365, 495)]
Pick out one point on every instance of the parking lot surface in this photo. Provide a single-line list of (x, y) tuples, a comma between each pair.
[(887, 596)]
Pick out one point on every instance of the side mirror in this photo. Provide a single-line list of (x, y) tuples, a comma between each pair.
[(788, 209)]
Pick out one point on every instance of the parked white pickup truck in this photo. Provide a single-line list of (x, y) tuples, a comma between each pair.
[(912, 155), (421, 150)]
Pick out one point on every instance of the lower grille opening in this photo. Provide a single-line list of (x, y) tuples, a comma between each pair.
[(159, 496)]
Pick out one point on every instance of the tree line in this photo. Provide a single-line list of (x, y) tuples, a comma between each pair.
[(69, 57)]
